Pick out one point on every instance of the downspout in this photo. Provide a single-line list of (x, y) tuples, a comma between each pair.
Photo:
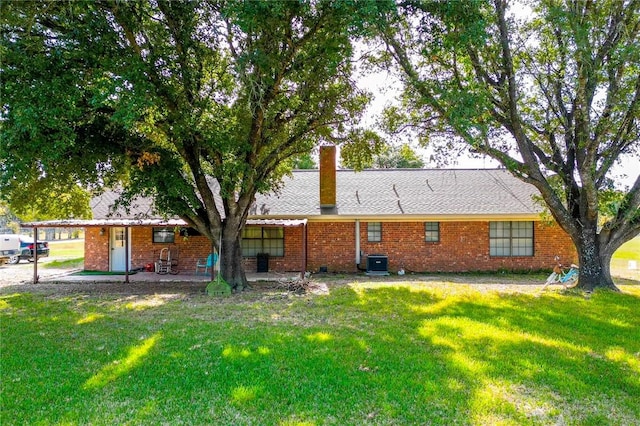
[(304, 250), (358, 259), (35, 255), (126, 255)]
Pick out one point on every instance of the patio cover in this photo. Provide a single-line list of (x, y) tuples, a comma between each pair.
[(126, 223), (83, 223)]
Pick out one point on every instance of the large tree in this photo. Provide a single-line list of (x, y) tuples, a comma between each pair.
[(550, 89), (42, 199), (381, 156), (176, 100)]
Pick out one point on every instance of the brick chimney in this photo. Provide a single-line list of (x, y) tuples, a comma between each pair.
[(327, 176)]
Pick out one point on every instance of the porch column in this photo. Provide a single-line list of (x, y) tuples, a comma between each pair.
[(213, 264), (126, 254), (35, 255)]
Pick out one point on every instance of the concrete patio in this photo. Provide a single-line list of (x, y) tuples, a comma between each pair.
[(147, 277)]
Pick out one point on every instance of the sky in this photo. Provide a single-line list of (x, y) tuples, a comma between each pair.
[(386, 88)]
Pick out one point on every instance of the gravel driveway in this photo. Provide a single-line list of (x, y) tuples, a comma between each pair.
[(23, 272)]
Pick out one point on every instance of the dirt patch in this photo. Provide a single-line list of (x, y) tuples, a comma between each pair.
[(317, 284), (105, 288), (320, 284)]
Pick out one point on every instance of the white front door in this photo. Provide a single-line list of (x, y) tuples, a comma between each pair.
[(118, 247)]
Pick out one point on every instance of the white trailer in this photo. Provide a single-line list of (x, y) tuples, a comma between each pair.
[(9, 247)]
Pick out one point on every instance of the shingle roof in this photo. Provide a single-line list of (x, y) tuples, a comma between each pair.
[(141, 208), (405, 192), (379, 192), (102, 205)]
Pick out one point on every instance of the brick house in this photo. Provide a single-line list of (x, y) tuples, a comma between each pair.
[(417, 220), (422, 220)]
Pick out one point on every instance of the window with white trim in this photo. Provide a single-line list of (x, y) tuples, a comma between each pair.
[(432, 232), (511, 238), (374, 232)]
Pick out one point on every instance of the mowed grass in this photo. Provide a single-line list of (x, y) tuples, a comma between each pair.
[(629, 250), (67, 254), (66, 249), (627, 255), (364, 354)]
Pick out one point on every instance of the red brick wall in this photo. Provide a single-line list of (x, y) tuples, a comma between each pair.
[(331, 245), (96, 250), (187, 250), (293, 253), (143, 250), (463, 246)]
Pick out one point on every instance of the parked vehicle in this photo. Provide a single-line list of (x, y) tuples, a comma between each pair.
[(20, 247), (4, 257), (9, 247)]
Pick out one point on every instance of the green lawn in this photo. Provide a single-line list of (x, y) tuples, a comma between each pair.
[(66, 249), (629, 251), (365, 354), (68, 254)]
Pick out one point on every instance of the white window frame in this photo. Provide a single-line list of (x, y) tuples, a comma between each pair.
[(432, 235), (374, 232), (511, 239)]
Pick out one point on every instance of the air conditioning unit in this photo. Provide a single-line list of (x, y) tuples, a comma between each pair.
[(377, 264)]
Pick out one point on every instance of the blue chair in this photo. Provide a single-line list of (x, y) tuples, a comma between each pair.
[(207, 263)]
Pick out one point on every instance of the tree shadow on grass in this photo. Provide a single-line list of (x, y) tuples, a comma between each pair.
[(532, 358), (390, 355)]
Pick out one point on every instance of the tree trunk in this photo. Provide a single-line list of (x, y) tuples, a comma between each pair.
[(231, 265), (595, 262)]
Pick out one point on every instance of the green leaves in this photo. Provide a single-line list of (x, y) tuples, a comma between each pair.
[(48, 199), (360, 149), (216, 82), (549, 88), (212, 91)]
